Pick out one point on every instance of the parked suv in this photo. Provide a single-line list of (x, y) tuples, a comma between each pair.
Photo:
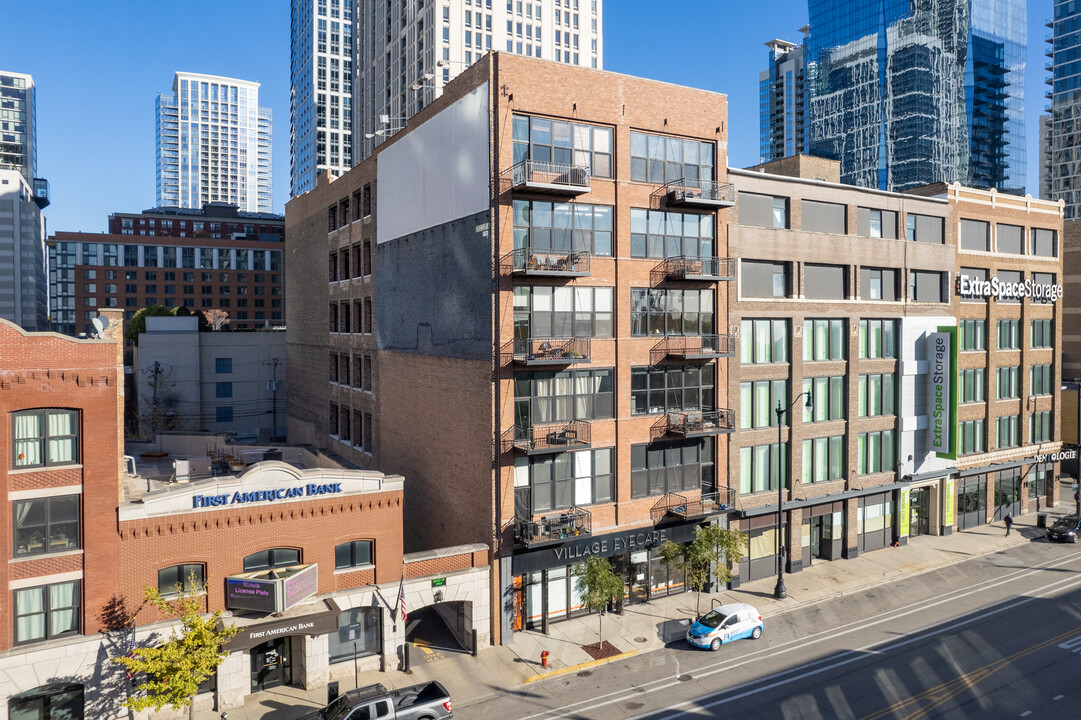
[(1065, 529)]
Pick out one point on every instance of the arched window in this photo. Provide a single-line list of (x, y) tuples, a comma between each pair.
[(272, 558), (48, 702), (188, 578)]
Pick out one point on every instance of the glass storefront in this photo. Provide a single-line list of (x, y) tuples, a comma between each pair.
[(971, 502), (874, 525)]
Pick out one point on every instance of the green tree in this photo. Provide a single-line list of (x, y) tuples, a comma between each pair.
[(714, 548), (192, 653), (600, 586), (137, 324)]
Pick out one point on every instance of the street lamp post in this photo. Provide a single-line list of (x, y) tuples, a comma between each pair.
[(779, 592)]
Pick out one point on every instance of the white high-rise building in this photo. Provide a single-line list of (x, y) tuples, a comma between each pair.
[(320, 105), (213, 144), (404, 53)]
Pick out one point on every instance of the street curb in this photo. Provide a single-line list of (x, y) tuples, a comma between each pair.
[(581, 666)]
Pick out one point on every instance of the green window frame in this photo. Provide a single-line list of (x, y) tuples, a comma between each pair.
[(757, 400), (875, 452), (830, 401), (878, 339), (973, 385), (973, 334), (762, 467), (823, 459), (973, 436), (877, 395), (823, 340), (763, 341)]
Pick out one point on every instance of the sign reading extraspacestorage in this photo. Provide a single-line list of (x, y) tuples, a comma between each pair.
[(202, 501), (942, 393), (974, 287)]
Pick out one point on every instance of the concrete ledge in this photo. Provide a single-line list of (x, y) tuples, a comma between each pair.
[(580, 666)]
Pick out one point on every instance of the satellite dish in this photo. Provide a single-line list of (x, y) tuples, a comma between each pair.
[(100, 323)]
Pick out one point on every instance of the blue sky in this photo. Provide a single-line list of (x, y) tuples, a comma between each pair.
[(99, 66)]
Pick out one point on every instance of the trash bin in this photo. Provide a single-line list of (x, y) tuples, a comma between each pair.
[(332, 691), (1041, 520)]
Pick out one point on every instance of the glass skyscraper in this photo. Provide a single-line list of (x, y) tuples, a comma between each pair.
[(910, 92), (1060, 176), (781, 97), (213, 144)]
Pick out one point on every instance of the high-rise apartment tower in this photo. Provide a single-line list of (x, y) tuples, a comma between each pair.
[(1060, 176)]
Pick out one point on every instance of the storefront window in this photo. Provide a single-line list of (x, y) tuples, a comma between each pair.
[(664, 579), (360, 633), (48, 702)]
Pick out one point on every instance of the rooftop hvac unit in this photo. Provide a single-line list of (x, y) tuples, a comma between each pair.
[(186, 468)]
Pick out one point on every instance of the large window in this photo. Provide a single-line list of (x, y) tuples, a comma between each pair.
[(974, 274), (661, 159), (1041, 380), (823, 459), (1009, 334), (825, 282), (563, 226), (548, 397), (764, 279), (1010, 239), (562, 312), (1043, 335), (1043, 243), (272, 558), (188, 578), (1038, 279), (924, 228), (360, 633), (878, 283), (757, 401), (43, 438), (354, 554), (823, 340), (763, 341), (878, 338), (1008, 382), (876, 395), (761, 467), (657, 390), (660, 234), (829, 399), (671, 312), (46, 525), (1040, 427), (875, 452), (1007, 431), (973, 434), (571, 479), (57, 701), (46, 611), (973, 384), (1010, 278), (975, 235), (766, 211), (661, 468), (927, 286), (876, 223), (973, 334), (556, 141), (824, 217)]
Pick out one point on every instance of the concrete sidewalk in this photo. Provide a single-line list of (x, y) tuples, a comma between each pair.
[(646, 627)]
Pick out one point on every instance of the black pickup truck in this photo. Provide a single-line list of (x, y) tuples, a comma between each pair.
[(426, 701)]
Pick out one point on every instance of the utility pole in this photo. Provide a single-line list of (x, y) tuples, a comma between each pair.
[(157, 375), (272, 385)]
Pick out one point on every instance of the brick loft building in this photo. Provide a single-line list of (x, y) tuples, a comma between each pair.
[(213, 258), (311, 572)]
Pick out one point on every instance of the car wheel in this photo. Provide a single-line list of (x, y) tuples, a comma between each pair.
[(1073, 539), (757, 632), (716, 644)]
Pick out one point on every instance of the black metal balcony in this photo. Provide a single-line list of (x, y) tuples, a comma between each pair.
[(547, 177), (689, 267), (547, 263), (536, 352), (700, 193), (693, 423), (693, 347), (690, 507), (548, 438), (554, 528)]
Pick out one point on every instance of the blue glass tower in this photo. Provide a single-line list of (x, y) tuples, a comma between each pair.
[(910, 92), (1061, 174)]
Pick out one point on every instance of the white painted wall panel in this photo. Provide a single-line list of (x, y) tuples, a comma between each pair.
[(436, 173)]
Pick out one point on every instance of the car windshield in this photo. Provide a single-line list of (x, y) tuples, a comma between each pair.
[(712, 619), (336, 710), (1067, 522)]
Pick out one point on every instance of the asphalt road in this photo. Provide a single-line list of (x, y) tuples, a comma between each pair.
[(994, 637)]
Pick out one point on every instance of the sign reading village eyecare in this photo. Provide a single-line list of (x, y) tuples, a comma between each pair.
[(942, 397)]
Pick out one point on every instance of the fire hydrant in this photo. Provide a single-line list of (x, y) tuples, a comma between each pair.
[(544, 658)]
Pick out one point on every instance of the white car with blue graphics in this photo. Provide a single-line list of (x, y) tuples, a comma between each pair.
[(723, 624)]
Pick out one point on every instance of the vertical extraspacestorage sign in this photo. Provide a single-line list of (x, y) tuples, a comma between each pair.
[(942, 397)]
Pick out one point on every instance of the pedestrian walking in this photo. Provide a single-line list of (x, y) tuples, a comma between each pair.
[(1009, 523)]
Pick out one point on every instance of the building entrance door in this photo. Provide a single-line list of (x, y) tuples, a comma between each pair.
[(1007, 495), (920, 511), (271, 665)]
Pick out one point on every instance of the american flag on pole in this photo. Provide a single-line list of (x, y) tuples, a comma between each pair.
[(401, 599)]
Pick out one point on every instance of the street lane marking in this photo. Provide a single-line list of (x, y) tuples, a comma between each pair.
[(661, 684), (1026, 713), (1058, 697)]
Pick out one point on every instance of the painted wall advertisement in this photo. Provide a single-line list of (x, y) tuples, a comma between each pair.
[(942, 392)]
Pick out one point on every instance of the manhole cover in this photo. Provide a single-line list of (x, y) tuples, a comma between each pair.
[(640, 639), (684, 678)]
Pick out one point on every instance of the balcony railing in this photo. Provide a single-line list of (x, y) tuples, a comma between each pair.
[(693, 423), (547, 263), (548, 438), (689, 267), (554, 528), (688, 507), (693, 347), (700, 193), (546, 351), (549, 177)]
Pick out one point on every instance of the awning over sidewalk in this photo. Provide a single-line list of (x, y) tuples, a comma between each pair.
[(810, 502), (317, 618)]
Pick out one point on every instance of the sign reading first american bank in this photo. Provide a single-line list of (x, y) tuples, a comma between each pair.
[(236, 498)]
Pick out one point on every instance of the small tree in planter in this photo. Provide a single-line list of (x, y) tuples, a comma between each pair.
[(713, 547), (600, 586)]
